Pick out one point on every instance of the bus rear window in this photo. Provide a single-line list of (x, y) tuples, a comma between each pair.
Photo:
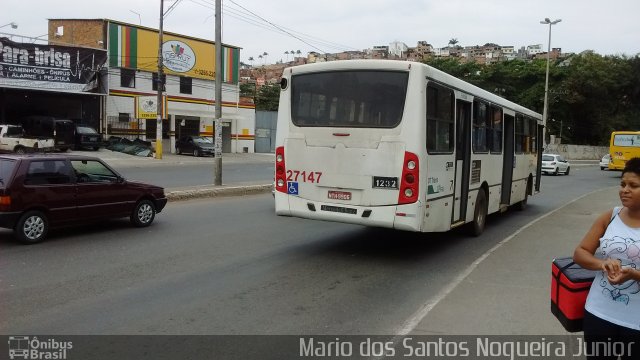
[(626, 140), (362, 99)]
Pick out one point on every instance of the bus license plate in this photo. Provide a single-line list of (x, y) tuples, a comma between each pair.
[(339, 195), (338, 209), (383, 182)]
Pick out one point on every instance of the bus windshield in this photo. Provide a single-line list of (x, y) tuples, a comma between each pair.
[(358, 99)]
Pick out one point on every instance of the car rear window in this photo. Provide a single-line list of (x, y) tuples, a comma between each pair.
[(547, 158), (6, 169)]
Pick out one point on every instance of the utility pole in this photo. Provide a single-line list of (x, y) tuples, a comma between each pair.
[(545, 111), (217, 164), (159, 105)]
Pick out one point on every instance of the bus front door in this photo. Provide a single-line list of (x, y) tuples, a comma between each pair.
[(463, 160), (507, 161)]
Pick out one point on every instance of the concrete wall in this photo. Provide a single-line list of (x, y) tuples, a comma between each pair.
[(578, 152)]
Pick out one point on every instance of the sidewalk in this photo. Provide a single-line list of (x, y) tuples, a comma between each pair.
[(507, 290)]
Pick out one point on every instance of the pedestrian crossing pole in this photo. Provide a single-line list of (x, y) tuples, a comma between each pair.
[(217, 164)]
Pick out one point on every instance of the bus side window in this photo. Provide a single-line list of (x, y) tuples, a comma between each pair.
[(439, 119)]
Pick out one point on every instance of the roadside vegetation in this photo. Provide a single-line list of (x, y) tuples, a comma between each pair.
[(592, 94)]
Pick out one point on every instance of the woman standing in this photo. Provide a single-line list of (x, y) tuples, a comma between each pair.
[(612, 311)]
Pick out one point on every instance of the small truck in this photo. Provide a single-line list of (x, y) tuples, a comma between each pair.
[(13, 140)]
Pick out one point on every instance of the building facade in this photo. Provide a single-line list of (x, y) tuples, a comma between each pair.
[(188, 83)]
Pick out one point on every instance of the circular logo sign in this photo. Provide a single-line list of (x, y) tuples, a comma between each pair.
[(148, 105), (178, 56)]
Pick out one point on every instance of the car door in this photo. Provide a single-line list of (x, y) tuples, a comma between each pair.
[(49, 184), (100, 191)]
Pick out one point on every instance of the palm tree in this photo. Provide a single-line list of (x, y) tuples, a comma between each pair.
[(251, 60), (298, 52), (453, 41), (287, 52), (264, 55)]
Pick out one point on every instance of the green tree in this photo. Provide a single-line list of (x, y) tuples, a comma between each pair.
[(592, 94), (268, 97), (248, 89)]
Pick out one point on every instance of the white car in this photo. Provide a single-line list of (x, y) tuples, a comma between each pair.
[(604, 162), (555, 164)]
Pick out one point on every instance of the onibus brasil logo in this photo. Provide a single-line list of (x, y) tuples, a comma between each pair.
[(32, 348)]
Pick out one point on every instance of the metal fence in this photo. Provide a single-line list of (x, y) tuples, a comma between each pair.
[(125, 127)]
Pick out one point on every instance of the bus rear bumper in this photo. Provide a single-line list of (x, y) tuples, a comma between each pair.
[(403, 217)]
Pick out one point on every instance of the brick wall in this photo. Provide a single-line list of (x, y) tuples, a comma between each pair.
[(87, 33)]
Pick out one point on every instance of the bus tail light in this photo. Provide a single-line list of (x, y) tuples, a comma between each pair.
[(409, 183), (281, 171)]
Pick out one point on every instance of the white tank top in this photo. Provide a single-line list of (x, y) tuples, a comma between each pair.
[(619, 304)]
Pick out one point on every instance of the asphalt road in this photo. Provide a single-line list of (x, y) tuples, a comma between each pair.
[(196, 174), (230, 266)]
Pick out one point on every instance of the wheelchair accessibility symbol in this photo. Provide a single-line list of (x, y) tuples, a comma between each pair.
[(292, 188)]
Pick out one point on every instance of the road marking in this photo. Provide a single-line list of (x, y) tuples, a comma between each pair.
[(426, 308)]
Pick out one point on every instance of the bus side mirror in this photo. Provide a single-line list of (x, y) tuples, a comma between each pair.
[(283, 83)]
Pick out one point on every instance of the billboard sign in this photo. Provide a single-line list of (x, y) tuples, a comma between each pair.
[(50, 67)]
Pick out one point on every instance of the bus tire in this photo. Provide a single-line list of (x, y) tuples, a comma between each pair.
[(479, 214)]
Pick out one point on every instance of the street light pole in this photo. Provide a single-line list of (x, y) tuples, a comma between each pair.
[(14, 25), (561, 131), (545, 112)]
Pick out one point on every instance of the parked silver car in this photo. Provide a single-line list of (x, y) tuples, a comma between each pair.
[(555, 164)]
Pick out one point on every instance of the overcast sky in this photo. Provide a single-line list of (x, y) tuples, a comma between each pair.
[(276, 26)]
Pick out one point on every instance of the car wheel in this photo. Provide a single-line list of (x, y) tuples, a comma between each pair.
[(479, 214), (96, 148), (556, 172), (20, 150), (196, 152), (567, 172), (602, 168), (32, 227), (143, 214)]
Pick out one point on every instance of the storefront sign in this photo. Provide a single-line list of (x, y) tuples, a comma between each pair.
[(146, 107), (50, 67)]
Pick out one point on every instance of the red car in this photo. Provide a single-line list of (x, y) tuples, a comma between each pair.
[(42, 191)]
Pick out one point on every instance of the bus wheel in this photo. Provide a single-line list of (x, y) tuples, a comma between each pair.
[(479, 214)]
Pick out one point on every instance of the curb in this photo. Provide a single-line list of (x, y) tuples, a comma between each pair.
[(178, 195)]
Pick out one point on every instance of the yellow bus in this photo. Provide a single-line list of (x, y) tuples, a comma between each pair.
[(624, 146)]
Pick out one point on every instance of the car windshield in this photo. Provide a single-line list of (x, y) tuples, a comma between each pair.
[(202, 140), (86, 130), (547, 158)]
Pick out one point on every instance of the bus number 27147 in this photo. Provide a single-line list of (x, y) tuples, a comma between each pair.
[(304, 176)]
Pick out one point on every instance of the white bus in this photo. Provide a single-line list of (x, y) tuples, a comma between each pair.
[(400, 145)]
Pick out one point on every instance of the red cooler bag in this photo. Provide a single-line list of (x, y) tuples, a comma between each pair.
[(570, 285)]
